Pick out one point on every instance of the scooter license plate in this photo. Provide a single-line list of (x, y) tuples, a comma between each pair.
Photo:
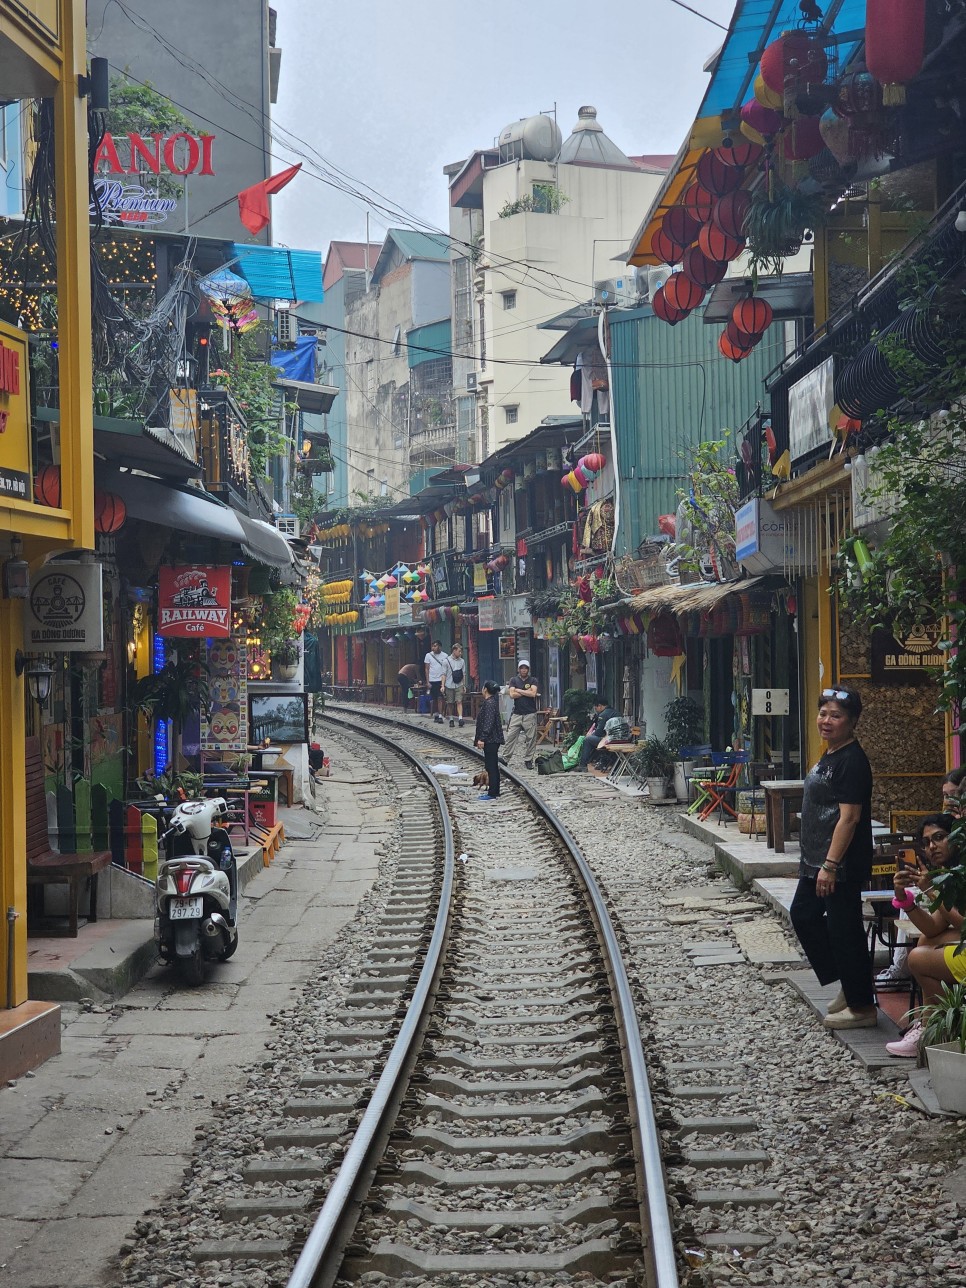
[(184, 909)]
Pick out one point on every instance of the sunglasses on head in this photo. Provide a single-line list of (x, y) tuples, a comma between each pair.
[(840, 695)]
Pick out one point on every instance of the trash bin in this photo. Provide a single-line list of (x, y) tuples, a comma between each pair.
[(424, 704)]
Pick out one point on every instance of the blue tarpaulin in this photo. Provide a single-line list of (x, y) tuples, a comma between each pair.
[(279, 273), (297, 363)]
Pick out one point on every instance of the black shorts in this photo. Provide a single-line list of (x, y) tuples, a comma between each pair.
[(436, 688)]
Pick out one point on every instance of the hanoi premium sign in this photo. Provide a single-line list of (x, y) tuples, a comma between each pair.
[(194, 602), (65, 611), (14, 415)]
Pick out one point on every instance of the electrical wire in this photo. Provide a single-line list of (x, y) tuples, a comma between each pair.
[(698, 14)]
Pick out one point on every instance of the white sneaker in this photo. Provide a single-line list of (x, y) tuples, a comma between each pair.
[(897, 973)]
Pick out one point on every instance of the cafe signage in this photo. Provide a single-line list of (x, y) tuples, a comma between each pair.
[(909, 659), (119, 197), (14, 415), (194, 602), (65, 611)]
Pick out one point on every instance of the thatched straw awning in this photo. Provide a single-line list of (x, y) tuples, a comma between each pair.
[(700, 597)]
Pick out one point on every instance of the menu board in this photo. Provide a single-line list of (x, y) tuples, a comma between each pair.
[(226, 728)]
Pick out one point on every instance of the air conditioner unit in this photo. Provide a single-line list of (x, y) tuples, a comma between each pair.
[(656, 277), (471, 381), (615, 290), (287, 326), (287, 524)]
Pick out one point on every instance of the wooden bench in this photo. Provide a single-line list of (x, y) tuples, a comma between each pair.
[(44, 865)]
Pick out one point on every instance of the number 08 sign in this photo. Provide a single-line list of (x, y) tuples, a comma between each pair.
[(769, 702)]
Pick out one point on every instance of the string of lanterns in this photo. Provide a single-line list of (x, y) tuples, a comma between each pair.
[(583, 473), (410, 581)]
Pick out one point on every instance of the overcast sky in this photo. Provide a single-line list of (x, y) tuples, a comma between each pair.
[(391, 92)]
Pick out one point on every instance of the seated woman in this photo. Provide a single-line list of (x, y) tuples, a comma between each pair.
[(934, 960)]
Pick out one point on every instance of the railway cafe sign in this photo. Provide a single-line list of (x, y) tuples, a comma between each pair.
[(65, 611), (14, 415), (120, 190), (194, 602)]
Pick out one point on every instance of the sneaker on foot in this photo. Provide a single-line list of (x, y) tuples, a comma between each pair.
[(485, 796), (837, 1004), (862, 1017), (461, 724), (908, 1044), (895, 974), (452, 724), (528, 764)]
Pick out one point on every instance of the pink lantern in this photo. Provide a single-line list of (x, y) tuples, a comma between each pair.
[(594, 461)]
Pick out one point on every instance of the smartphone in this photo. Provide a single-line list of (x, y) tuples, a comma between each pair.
[(907, 859)]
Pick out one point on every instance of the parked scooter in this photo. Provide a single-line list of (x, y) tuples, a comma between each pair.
[(197, 889)]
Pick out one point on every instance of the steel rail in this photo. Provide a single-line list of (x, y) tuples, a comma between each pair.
[(662, 1235), (331, 1229)]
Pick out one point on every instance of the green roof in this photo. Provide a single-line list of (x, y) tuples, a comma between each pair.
[(420, 245)]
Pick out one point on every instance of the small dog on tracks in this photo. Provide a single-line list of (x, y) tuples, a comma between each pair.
[(482, 779)]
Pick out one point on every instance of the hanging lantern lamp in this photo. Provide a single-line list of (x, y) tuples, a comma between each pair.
[(895, 43), (680, 227), (739, 152), (47, 486), (730, 213), (663, 310), (794, 60), (762, 122), (698, 203), (802, 140), (740, 339), (681, 293), (729, 350), (765, 96), (718, 245), (752, 315), (110, 512), (716, 177), (702, 271), (664, 249)]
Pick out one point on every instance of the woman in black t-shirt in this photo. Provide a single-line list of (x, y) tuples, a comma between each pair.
[(836, 862)]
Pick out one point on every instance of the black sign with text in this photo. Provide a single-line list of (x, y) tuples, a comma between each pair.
[(909, 660)]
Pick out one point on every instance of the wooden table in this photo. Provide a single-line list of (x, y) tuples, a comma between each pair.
[(781, 796)]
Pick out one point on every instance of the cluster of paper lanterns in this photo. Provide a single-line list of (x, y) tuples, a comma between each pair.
[(584, 472), (348, 617), (750, 319), (336, 592), (402, 576), (300, 618), (338, 534), (110, 512)]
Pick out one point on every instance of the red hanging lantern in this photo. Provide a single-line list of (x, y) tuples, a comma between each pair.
[(681, 293), (664, 249), (739, 152), (47, 486), (740, 339), (763, 122), (109, 512), (895, 42), (795, 60), (698, 203), (702, 271), (752, 315), (801, 140), (718, 245), (729, 350), (716, 177), (731, 211), (663, 310), (679, 226)]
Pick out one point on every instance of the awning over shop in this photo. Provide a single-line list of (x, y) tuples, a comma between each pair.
[(264, 543), (132, 444), (582, 335), (698, 598), (279, 273), (188, 510)]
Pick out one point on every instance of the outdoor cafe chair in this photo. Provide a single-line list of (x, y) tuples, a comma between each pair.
[(731, 763)]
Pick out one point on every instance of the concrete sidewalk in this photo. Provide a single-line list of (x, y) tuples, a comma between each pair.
[(101, 1132)]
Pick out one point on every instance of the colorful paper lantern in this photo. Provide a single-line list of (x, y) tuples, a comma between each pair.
[(110, 512), (730, 350), (679, 226), (765, 96), (796, 59), (716, 177), (664, 249), (594, 461), (718, 245), (752, 315), (730, 213), (702, 271), (739, 152), (741, 339), (895, 43), (681, 293), (47, 486), (663, 309), (764, 122), (698, 203), (801, 140)]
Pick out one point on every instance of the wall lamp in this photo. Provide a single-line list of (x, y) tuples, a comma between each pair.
[(39, 676), (16, 572)]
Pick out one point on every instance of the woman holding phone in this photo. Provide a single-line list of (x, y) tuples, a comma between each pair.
[(934, 961), (836, 863)]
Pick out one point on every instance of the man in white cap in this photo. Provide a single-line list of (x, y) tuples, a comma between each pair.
[(524, 692)]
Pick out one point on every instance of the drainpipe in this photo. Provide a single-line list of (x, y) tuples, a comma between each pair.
[(603, 340), (12, 915)]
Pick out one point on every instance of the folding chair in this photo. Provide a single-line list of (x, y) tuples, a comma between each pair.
[(720, 789)]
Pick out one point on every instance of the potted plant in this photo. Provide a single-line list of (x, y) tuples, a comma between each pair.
[(654, 761), (944, 1039), (685, 728), (285, 660), (174, 693)]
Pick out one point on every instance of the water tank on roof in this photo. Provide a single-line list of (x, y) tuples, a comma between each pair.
[(534, 138)]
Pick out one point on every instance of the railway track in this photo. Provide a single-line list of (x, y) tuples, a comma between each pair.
[(522, 1145)]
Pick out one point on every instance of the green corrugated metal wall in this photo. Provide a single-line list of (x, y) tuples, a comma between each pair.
[(672, 388)]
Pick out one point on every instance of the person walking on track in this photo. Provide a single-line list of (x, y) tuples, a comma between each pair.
[(436, 663), (523, 722), (455, 684)]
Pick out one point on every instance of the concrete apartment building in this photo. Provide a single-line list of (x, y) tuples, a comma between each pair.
[(395, 328), (535, 224)]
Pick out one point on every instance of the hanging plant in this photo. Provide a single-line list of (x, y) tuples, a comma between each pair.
[(775, 225)]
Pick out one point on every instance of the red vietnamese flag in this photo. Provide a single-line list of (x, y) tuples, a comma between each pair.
[(253, 201)]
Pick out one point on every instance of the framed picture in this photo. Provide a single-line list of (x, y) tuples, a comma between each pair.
[(282, 717), (508, 648)]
